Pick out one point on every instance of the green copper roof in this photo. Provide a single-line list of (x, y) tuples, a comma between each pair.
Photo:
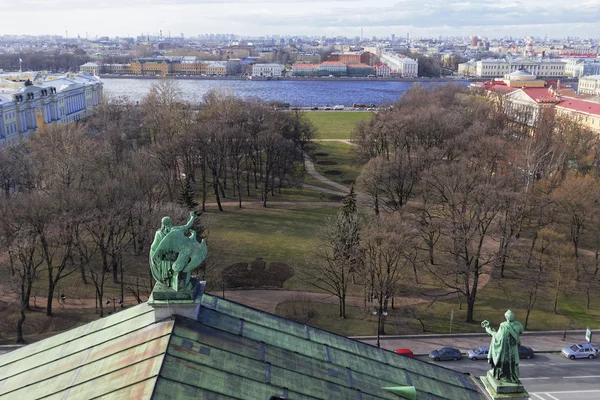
[(232, 352)]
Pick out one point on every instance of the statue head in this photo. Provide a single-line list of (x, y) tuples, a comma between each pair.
[(510, 316), (166, 223)]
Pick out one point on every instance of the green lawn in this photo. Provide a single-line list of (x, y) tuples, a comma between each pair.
[(342, 167), (278, 233), (336, 125)]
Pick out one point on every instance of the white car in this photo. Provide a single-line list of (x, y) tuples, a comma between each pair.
[(338, 107), (584, 350)]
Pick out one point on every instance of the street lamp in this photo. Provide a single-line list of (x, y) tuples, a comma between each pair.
[(380, 313)]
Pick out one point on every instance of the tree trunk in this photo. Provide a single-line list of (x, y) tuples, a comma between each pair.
[(470, 308), (216, 188), (20, 326), (51, 286)]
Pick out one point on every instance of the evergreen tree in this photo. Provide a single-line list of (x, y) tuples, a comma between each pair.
[(187, 195)]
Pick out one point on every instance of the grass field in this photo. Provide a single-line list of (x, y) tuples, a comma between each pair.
[(278, 233), (334, 160), (338, 124)]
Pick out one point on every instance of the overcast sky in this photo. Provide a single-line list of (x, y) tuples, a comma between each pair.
[(492, 18)]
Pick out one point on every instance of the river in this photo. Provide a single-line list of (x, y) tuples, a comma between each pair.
[(297, 93)]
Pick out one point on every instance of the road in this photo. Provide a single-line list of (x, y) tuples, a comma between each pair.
[(548, 376)]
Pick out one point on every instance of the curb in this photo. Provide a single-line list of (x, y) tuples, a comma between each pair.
[(459, 335)]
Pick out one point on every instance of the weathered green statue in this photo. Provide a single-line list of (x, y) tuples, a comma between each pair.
[(173, 255), (504, 349)]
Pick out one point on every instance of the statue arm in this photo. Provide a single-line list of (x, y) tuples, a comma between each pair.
[(189, 223)]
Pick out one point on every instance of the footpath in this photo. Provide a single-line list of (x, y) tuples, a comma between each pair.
[(540, 342)]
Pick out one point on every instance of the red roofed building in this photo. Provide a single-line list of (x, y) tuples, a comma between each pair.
[(586, 112), (382, 69)]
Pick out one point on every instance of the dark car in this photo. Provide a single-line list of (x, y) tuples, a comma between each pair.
[(445, 354), (405, 352), (525, 352), (314, 108)]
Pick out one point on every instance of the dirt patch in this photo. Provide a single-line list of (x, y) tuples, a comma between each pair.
[(333, 172), (325, 162), (256, 275), (321, 154)]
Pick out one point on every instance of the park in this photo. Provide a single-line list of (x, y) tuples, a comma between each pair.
[(264, 236)]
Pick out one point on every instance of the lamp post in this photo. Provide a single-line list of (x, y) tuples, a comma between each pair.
[(380, 312)]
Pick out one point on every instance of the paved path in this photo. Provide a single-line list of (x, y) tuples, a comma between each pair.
[(267, 300), (310, 168)]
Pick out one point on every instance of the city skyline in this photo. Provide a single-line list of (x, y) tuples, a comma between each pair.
[(310, 17)]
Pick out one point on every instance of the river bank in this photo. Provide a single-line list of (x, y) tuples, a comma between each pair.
[(288, 78)]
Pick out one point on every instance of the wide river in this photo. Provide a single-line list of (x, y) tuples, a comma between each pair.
[(297, 93)]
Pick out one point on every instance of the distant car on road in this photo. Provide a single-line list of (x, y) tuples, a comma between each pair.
[(478, 353), (525, 352), (338, 107), (405, 352), (445, 354), (314, 108), (584, 350)]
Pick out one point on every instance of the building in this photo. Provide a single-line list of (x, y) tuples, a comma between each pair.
[(121, 69), (152, 66), (30, 102), (382, 70), (309, 58), (212, 348), (92, 68), (578, 67), (589, 85), (187, 66), (216, 68), (300, 69), (267, 70), (352, 57), (523, 97), (401, 65), (334, 68), (360, 70), (585, 112), (496, 68)]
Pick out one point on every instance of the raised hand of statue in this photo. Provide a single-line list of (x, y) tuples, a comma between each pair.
[(192, 214)]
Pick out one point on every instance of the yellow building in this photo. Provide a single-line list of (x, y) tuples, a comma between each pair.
[(192, 68)]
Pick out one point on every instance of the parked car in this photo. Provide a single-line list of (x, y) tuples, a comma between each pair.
[(314, 108), (338, 107), (405, 352), (445, 354), (478, 353), (525, 352), (584, 350)]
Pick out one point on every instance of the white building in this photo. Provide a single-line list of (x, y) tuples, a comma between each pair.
[(31, 101), (401, 65), (268, 70), (92, 68), (382, 70), (496, 68), (589, 85)]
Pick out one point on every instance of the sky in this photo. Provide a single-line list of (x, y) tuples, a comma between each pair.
[(425, 18)]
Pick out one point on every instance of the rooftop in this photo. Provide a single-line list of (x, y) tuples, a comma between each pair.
[(581, 106), (230, 351)]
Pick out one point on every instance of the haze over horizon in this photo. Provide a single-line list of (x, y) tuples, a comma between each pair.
[(487, 18)]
